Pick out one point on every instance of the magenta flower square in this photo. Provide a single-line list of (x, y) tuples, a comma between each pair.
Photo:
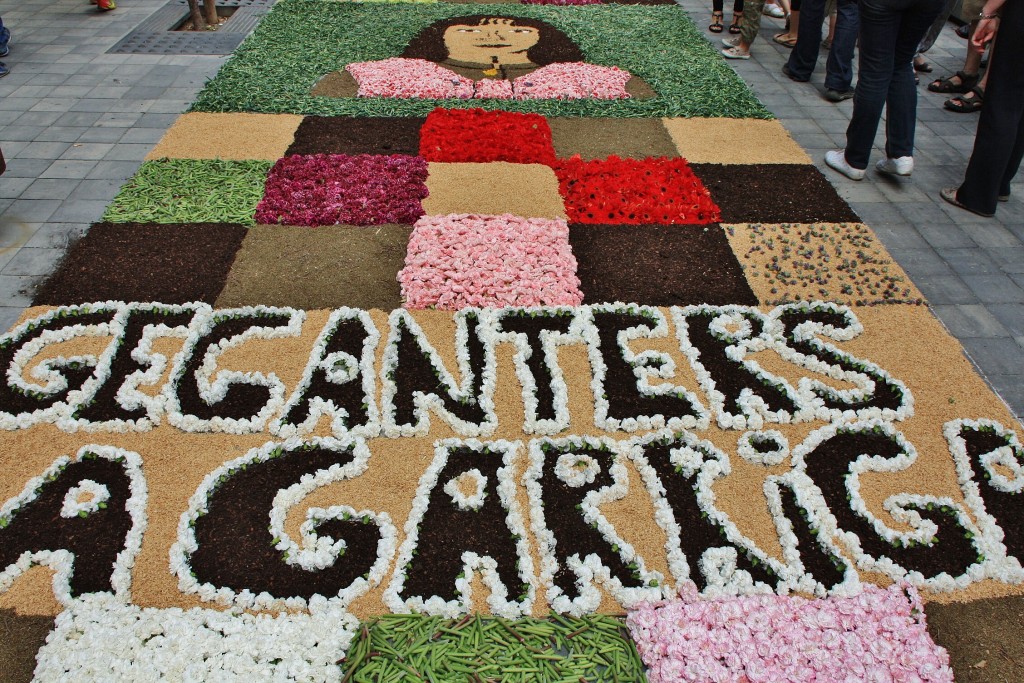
[(331, 189), (463, 260)]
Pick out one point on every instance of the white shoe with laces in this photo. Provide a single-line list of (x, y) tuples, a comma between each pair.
[(897, 166), (836, 159)]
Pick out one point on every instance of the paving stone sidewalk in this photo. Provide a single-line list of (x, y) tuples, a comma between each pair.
[(76, 122)]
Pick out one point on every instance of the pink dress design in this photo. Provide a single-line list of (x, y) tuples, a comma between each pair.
[(401, 77)]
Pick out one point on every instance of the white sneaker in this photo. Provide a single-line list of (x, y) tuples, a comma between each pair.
[(897, 166), (731, 42), (773, 10), (836, 159)]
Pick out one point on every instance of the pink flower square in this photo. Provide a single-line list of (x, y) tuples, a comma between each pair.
[(462, 260), (331, 189)]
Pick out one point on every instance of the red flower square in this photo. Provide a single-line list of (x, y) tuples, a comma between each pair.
[(616, 191), (478, 136)]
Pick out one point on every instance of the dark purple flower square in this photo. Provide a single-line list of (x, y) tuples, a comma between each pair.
[(331, 189)]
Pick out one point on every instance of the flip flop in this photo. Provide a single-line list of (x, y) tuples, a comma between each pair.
[(785, 42), (949, 194)]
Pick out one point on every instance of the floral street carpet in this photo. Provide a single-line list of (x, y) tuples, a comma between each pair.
[(456, 342)]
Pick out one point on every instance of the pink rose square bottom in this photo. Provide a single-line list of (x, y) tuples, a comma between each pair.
[(461, 260), (332, 189)]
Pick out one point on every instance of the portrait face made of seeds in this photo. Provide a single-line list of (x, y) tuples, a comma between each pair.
[(494, 40), (491, 39)]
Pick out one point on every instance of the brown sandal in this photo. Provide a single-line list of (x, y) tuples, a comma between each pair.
[(717, 26), (947, 86), (734, 27), (968, 103)]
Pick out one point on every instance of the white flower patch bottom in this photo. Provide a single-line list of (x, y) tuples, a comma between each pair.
[(99, 638)]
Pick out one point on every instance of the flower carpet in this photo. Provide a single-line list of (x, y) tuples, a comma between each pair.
[(508, 342)]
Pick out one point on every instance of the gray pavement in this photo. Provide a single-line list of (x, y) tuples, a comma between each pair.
[(75, 123)]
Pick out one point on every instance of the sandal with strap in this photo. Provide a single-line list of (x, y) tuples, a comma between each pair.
[(717, 25), (947, 86), (734, 27), (968, 103)]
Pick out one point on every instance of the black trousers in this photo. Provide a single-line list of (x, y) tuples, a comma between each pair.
[(999, 144)]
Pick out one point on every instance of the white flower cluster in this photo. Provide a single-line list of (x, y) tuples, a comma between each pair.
[(401, 319), (339, 368), (731, 325), (647, 366), (499, 600), (98, 638), (748, 447), (473, 501), (62, 561), (550, 342), (1001, 565), (214, 391), (128, 394), (703, 463), (84, 499), (898, 507), (315, 553), (47, 373), (589, 569)]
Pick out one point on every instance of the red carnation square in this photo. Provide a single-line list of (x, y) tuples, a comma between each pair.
[(478, 136), (614, 191), (333, 189)]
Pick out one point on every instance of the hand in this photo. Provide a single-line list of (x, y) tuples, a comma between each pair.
[(985, 32)]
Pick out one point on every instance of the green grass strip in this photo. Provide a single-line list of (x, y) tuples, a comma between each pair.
[(300, 41), (417, 647), (191, 191)]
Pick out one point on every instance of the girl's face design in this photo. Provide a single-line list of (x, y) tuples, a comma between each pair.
[(490, 39)]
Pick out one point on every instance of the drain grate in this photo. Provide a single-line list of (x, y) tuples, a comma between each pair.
[(155, 36)]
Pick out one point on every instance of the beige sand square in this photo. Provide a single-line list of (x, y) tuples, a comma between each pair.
[(841, 262), (734, 141), (228, 136), (529, 190)]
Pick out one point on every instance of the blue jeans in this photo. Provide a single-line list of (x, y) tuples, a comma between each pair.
[(839, 68), (890, 31), (5, 35)]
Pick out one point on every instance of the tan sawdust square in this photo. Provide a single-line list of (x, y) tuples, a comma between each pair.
[(324, 267), (200, 135), (734, 141), (529, 190)]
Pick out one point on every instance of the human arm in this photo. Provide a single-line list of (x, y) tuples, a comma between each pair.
[(988, 24)]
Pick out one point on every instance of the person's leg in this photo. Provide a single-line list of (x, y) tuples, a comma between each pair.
[(971, 101), (751, 23), (879, 27), (737, 17), (5, 37), (839, 66), (805, 53), (995, 159), (972, 63), (936, 28), (901, 100), (792, 32)]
